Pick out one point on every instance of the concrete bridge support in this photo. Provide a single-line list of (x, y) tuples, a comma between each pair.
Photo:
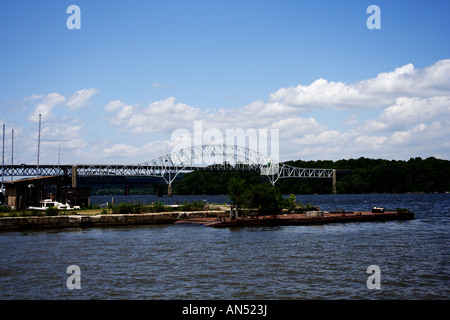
[(74, 176), (334, 182)]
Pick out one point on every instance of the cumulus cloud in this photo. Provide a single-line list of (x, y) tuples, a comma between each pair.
[(114, 106), (295, 127), (412, 103), (410, 111), (45, 107), (159, 116), (321, 93), (80, 98), (77, 100), (409, 115), (58, 129), (405, 81), (126, 153)]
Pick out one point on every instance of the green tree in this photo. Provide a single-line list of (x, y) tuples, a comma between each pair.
[(290, 203), (266, 198), (363, 176), (237, 188)]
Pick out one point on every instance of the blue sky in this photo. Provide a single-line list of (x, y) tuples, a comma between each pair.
[(115, 90)]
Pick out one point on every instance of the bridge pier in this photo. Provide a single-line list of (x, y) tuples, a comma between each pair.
[(74, 176), (169, 190), (334, 182)]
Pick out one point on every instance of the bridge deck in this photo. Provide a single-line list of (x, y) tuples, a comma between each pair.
[(283, 171)]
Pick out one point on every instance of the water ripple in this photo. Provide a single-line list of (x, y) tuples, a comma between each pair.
[(292, 262)]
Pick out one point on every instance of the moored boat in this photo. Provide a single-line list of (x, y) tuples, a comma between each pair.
[(48, 203)]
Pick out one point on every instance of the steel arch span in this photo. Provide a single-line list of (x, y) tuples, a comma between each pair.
[(228, 157), (220, 157)]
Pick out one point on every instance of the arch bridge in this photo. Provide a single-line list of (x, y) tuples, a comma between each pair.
[(201, 157)]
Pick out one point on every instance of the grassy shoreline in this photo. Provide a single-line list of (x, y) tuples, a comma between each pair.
[(122, 208)]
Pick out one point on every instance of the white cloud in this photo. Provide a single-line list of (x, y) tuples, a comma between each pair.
[(405, 81), (45, 107), (395, 82), (160, 116), (80, 98), (63, 132), (327, 137), (408, 136), (321, 93), (54, 99), (411, 102), (371, 142), (409, 116), (35, 96), (57, 129), (294, 127), (130, 154), (114, 106), (120, 148), (411, 111)]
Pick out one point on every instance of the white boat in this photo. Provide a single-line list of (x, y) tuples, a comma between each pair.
[(48, 203)]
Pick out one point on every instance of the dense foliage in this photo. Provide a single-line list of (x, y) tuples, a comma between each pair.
[(211, 182), (365, 176), (266, 198)]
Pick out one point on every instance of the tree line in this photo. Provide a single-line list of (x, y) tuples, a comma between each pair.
[(362, 175)]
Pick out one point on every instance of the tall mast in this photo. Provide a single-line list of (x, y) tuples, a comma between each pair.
[(3, 155), (12, 152), (39, 144)]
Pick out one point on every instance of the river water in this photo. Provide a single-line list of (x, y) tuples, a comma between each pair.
[(192, 262)]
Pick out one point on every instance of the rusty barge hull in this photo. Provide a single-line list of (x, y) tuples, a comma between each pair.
[(299, 219)]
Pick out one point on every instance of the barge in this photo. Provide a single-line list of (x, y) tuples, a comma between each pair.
[(308, 218)]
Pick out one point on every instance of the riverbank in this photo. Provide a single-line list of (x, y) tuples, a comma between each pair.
[(217, 219), (97, 220), (308, 218)]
